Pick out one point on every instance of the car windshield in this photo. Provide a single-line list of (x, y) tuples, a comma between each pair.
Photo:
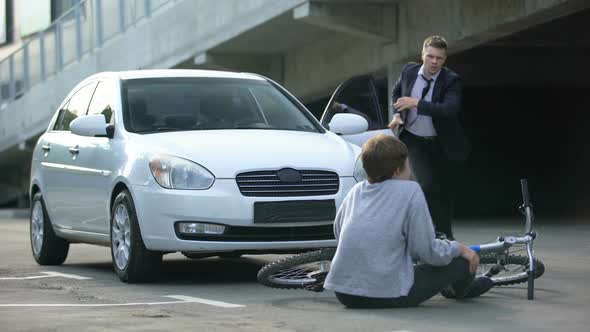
[(175, 104)]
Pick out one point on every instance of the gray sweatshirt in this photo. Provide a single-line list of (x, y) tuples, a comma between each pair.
[(380, 228)]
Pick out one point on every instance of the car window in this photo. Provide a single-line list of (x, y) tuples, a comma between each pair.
[(77, 106), (102, 101), (59, 121), (271, 104), (359, 95), (172, 104)]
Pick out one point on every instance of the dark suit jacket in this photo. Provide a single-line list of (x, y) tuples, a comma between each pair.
[(444, 108)]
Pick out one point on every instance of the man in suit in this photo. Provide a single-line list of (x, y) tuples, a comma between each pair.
[(427, 100)]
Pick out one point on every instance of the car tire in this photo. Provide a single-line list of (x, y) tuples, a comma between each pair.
[(47, 248), (131, 260)]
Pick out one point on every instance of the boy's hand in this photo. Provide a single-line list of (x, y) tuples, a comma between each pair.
[(471, 256)]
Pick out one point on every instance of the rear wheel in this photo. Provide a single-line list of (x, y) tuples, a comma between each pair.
[(511, 270), (299, 271), (131, 260), (47, 248)]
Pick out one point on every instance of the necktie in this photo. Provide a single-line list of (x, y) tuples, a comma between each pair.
[(413, 113), (427, 87)]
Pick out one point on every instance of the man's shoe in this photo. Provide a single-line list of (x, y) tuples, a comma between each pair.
[(478, 286)]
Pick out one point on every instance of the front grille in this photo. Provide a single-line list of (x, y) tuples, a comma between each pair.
[(265, 234), (268, 184)]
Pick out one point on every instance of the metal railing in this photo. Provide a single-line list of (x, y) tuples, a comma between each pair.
[(78, 32)]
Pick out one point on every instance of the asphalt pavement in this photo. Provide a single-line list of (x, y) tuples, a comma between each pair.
[(216, 294)]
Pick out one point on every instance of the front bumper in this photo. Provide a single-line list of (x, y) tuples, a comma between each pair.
[(159, 209)]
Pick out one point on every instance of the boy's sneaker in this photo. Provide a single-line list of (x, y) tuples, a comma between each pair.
[(443, 236), (448, 292), (478, 286)]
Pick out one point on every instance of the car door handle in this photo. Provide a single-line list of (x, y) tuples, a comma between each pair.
[(46, 147), (74, 150)]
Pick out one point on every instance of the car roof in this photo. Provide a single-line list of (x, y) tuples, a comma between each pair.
[(156, 73)]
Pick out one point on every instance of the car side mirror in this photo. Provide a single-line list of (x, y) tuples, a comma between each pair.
[(348, 124), (91, 125)]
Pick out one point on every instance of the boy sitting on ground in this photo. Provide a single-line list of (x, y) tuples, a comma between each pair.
[(382, 226)]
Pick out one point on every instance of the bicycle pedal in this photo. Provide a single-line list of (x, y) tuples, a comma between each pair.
[(318, 285)]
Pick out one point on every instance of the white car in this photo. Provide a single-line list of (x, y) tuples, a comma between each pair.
[(200, 162)]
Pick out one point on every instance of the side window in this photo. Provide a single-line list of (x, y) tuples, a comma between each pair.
[(59, 121), (77, 106), (359, 95), (103, 102)]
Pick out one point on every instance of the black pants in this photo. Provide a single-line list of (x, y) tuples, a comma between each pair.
[(437, 177), (428, 281)]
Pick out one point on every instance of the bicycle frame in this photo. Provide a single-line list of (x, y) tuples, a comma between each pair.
[(504, 243)]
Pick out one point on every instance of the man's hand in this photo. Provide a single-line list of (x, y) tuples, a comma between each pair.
[(405, 103), (395, 122), (337, 107), (471, 256)]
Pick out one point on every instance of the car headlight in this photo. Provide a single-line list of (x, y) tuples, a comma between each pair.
[(177, 173), (359, 172)]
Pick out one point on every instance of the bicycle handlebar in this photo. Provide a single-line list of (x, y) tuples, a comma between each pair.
[(525, 192)]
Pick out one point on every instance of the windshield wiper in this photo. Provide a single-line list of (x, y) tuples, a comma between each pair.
[(160, 130)]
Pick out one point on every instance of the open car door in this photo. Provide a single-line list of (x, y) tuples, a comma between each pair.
[(357, 95)]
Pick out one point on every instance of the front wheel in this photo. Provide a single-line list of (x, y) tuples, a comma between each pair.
[(131, 260), (298, 271), (513, 269), (47, 248)]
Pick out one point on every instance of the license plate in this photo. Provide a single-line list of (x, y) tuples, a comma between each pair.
[(294, 211)]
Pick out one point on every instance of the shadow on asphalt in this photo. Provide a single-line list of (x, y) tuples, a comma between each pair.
[(213, 270)]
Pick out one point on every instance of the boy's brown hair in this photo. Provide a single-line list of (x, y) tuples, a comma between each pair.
[(382, 156)]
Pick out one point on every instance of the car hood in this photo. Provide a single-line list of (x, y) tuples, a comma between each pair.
[(227, 153)]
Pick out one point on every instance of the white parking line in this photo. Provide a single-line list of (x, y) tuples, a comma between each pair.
[(49, 274), (205, 301), (182, 298)]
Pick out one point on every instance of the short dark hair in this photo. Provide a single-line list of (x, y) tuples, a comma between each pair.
[(436, 42), (382, 156)]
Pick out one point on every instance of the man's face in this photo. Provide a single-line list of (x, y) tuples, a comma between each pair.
[(433, 59)]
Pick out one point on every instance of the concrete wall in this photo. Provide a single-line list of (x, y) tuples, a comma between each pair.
[(465, 24), (170, 36), (309, 46)]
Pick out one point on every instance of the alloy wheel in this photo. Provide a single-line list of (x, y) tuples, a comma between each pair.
[(121, 236), (37, 227)]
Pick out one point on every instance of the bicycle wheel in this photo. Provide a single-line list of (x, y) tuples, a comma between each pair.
[(298, 271), (513, 270)]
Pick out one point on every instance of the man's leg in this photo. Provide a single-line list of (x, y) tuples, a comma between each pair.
[(422, 166), (444, 197)]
